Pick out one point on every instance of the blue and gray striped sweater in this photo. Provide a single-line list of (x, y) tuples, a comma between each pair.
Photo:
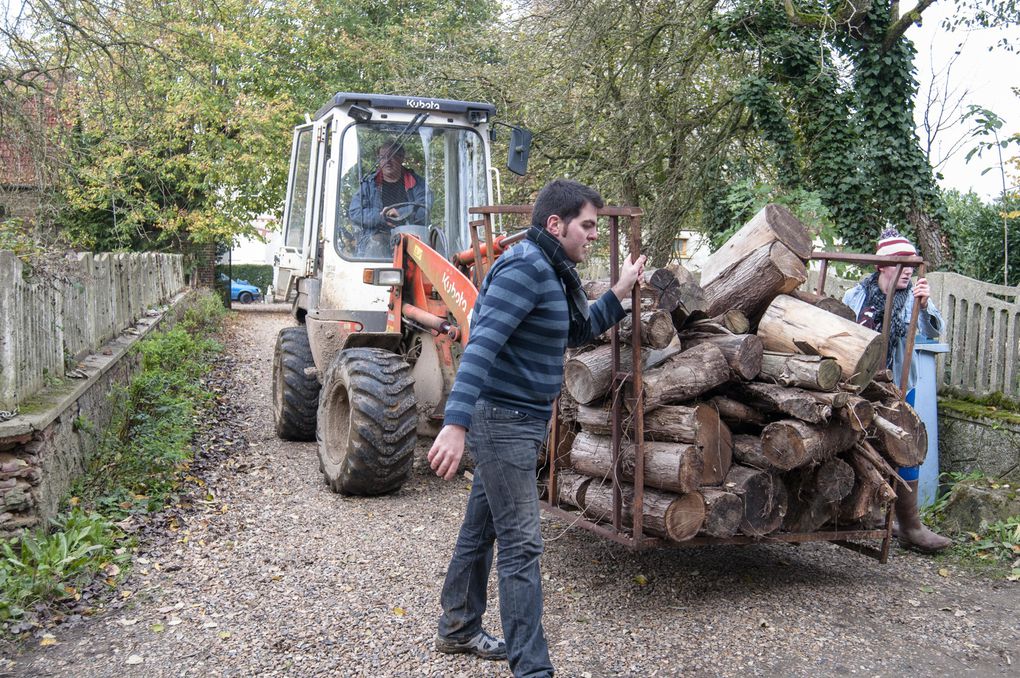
[(514, 356)]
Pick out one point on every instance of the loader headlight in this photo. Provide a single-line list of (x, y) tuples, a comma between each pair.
[(386, 277)]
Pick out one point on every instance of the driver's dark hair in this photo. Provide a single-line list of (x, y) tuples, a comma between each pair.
[(392, 147), (565, 198)]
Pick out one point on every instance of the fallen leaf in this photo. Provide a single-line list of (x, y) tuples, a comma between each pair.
[(157, 628), (399, 611), (134, 660), (224, 635), (111, 569), (943, 572), (927, 589), (641, 580), (47, 640)]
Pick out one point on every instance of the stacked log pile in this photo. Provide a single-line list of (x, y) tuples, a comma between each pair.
[(764, 408)]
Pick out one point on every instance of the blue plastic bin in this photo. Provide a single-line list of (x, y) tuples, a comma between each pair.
[(926, 404)]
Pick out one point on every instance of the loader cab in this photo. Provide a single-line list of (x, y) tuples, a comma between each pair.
[(333, 229)]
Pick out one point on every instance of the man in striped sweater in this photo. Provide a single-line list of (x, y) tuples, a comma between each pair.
[(529, 309)]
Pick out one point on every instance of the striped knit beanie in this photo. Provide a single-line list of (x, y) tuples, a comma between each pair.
[(892, 244)]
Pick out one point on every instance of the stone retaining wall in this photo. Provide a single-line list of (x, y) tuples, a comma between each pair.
[(45, 448)]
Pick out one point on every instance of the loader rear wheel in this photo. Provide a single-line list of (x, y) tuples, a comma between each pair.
[(295, 394), (367, 422)]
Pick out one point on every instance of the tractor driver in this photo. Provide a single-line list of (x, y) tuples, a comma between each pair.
[(391, 196)]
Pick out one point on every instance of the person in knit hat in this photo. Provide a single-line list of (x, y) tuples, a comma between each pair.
[(868, 300)]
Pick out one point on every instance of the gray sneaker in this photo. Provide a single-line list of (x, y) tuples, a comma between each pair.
[(480, 645)]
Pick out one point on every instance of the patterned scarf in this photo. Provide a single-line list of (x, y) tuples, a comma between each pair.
[(577, 302), (875, 298)]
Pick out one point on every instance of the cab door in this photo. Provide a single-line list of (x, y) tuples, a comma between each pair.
[(289, 262)]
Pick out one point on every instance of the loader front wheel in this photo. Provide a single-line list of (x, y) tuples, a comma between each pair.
[(295, 393), (367, 422)]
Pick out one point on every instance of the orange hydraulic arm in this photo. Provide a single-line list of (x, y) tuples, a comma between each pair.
[(425, 272)]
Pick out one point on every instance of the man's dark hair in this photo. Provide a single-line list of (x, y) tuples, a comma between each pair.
[(564, 198), (391, 148)]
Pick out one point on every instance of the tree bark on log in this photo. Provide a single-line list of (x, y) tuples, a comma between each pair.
[(754, 281), (743, 352), (859, 413), (791, 326), (657, 329), (771, 224), (813, 372), (747, 451), (794, 402), (826, 303), (900, 434), (723, 513), (735, 413), (815, 494), (588, 376), (790, 443), (685, 376), (698, 424), (764, 497), (870, 489), (571, 487), (677, 467), (734, 321), (675, 517)]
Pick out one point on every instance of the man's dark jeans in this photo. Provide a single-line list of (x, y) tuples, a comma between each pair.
[(503, 506)]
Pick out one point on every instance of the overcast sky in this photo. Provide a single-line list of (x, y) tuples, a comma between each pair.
[(987, 77)]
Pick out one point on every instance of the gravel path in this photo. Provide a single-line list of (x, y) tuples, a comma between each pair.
[(273, 575)]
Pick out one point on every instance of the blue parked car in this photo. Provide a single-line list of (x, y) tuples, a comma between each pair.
[(242, 290)]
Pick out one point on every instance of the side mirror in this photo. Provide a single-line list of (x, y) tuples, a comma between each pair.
[(520, 149)]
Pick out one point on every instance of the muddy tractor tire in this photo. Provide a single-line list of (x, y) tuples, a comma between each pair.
[(295, 394), (367, 422)]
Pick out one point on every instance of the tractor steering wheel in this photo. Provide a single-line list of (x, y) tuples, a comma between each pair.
[(405, 210)]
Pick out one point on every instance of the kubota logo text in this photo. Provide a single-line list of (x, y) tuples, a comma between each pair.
[(422, 103), (451, 289)]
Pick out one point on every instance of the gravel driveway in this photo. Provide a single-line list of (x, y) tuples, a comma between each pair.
[(270, 574)]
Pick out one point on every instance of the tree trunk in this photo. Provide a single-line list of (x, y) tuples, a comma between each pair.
[(859, 413), (677, 467), (699, 425), (734, 321), (805, 371), (826, 303), (764, 497), (752, 282), (685, 376), (736, 414), (791, 326), (870, 489), (743, 352), (900, 434), (790, 443), (794, 402), (588, 376), (675, 517), (747, 451), (723, 513), (571, 487), (657, 329), (773, 223)]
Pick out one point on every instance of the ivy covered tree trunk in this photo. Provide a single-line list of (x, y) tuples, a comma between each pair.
[(833, 99)]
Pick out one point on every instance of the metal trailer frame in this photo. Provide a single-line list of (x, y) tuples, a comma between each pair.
[(633, 535)]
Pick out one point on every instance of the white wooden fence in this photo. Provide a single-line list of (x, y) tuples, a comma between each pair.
[(982, 331), (46, 325)]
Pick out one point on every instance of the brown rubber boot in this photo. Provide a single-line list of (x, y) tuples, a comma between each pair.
[(911, 531)]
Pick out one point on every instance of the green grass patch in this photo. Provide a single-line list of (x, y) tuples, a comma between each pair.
[(138, 467)]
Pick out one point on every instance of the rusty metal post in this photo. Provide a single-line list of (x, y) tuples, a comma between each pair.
[(888, 315), (637, 387), (823, 271), (908, 356), (616, 432)]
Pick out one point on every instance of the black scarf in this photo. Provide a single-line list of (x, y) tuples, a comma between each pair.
[(577, 302), (875, 298)]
